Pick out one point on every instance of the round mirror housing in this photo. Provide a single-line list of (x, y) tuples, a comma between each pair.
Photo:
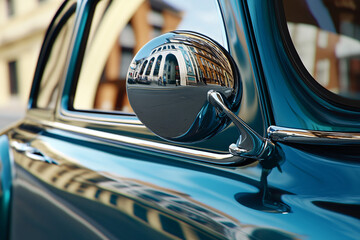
[(168, 83)]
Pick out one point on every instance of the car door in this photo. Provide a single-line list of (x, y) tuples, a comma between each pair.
[(86, 167)]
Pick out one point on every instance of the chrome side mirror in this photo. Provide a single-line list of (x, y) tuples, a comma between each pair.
[(185, 88), (168, 81)]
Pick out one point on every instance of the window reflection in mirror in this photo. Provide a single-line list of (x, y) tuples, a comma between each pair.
[(326, 35), (116, 35)]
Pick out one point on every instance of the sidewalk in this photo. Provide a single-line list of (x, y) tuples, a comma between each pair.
[(11, 112)]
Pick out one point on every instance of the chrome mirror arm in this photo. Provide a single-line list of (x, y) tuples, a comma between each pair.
[(250, 144)]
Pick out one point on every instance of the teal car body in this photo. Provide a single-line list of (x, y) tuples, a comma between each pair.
[(80, 174)]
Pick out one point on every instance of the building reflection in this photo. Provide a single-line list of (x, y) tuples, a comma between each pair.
[(182, 61), (155, 206), (328, 44)]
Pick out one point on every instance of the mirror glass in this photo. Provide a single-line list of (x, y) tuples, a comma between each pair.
[(168, 81)]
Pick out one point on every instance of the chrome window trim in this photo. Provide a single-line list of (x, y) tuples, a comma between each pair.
[(107, 118), (191, 154), (292, 135)]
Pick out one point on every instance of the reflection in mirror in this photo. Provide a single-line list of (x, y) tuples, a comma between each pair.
[(168, 81), (182, 61)]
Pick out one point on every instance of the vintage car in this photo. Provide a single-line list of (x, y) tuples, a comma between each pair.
[(253, 134)]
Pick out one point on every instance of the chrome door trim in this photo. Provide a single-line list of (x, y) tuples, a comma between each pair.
[(292, 135), (94, 117), (191, 154)]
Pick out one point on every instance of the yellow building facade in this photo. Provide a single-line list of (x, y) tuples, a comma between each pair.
[(22, 27)]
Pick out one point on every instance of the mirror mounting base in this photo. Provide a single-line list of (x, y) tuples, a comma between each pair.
[(250, 144)]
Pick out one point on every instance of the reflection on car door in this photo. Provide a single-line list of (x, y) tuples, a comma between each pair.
[(98, 189)]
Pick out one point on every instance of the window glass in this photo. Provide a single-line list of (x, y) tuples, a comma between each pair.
[(157, 65), (326, 36), (118, 32), (55, 49), (149, 67)]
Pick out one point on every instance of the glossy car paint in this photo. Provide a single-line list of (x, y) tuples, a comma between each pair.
[(102, 188)]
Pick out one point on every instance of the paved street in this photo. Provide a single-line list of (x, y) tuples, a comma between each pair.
[(181, 104), (11, 112)]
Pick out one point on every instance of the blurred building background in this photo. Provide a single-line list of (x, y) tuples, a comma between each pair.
[(23, 24)]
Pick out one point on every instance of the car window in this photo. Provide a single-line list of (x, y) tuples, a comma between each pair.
[(117, 33), (326, 36), (53, 55)]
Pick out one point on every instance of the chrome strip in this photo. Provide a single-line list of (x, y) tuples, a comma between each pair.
[(95, 117), (283, 134), (193, 154)]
